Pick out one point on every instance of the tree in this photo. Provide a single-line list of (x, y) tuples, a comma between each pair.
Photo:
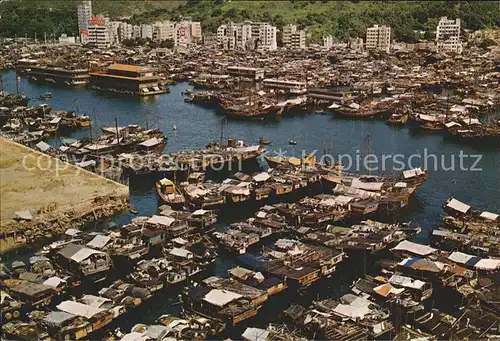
[(168, 43), (128, 42), (231, 13)]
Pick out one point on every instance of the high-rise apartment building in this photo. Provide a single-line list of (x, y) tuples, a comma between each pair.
[(146, 31), (327, 42), (448, 35), (187, 33), (378, 38), (294, 38), (247, 36), (84, 14), (164, 30), (125, 31), (99, 32)]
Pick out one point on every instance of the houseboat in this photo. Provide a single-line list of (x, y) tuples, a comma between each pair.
[(31, 295), (88, 264), (10, 308), (225, 305)]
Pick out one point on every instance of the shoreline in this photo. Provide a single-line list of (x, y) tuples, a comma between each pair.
[(58, 198)]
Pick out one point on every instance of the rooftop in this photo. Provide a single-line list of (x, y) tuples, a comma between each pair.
[(129, 68)]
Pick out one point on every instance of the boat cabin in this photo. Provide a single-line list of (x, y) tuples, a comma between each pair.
[(83, 261), (32, 294)]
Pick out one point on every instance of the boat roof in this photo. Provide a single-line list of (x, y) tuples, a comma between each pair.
[(458, 206), (220, 297), (160, 220), (415, 248), (99, 241), (30, 288), (77, 252), (57, 318), (79, 309)]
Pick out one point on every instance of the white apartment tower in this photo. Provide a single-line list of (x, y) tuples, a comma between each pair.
[(187, 33), (146, 31), (196, 32), (125, 31), (378, 38), (448, 35), (136, 31), (267, 37), (182, 34), (84, 13), (247, 36), (99, 32), (114, 31), (293, 38), (164, 30), (327, 42)]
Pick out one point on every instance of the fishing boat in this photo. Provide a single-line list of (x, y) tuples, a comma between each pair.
[(275, 161), (13, 124), (204, 196), (87, 264), (169, 193), (83, 121), (397, 119), (31, 123), (475, 133), (264, 141), (44, 96)]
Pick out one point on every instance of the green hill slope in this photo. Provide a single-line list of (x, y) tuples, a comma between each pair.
[(341, 19), (25, 17)]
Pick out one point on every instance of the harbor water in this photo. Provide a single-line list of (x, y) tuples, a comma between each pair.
[(196, 126)]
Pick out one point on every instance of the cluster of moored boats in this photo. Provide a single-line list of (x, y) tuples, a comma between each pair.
[(292, 177), (35, 124), (457, 117), (77, 286)]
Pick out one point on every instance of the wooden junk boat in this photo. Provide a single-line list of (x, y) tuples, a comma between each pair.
[(476, 132), (397, 119), (169, 194)]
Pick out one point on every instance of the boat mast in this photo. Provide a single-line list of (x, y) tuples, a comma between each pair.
[(90, 126), (369, 150), (17, 85), (76, 105), (222, 129), (117, 134)]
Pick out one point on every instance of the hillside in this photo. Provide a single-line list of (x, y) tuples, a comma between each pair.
[(341, 19), (25, 17)]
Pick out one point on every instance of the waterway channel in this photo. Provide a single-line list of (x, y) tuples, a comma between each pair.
[(196, 126)]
